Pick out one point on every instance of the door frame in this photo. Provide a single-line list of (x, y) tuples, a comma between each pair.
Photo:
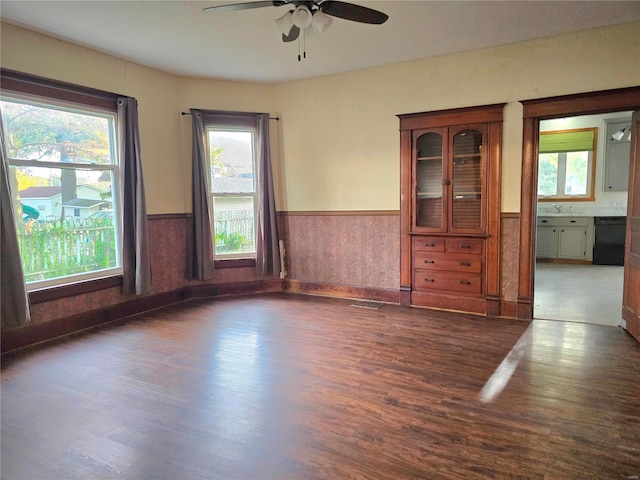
[(590, 103)]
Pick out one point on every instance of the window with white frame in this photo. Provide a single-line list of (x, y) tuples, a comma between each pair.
[(65, 178), (233, 190), (566, 165)]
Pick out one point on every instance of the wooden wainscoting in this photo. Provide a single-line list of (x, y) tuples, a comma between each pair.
[(343, 247), (339, 254)]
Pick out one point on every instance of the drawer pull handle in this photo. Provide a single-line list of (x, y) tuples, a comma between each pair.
[(465, 264), (573, 221), (429, 244), (464, 245), (465, 282), (429, 261), (429, 280), (544, 221)]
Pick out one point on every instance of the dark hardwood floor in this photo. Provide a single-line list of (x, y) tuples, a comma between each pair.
[(290, 387)]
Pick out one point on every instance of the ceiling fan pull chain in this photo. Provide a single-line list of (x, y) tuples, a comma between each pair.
[(298, 48), (304, 43)]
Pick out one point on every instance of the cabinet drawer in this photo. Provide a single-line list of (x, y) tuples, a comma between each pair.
[(464, 245), (562, 221), (429, 244), (447, 261), (426, 280)]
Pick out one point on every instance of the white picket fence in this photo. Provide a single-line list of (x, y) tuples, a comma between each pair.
[(58, 248), (235, 221)]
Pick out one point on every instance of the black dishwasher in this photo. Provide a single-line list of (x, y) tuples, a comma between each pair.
[(609, 245)]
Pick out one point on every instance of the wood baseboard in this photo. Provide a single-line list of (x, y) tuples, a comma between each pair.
[(341, 291), (236, 288), (30, 335), (524, 308), (564, 260), (633, 323), (453, 303)]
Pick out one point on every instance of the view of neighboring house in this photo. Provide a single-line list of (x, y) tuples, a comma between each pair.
[(47, 201), (232, 172)]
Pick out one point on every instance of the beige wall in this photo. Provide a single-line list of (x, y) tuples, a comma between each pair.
[(210, 94), (336, 146), (340, 133), (165, 135), (33, 53)]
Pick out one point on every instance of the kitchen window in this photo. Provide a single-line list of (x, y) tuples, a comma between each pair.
[(566, 165)]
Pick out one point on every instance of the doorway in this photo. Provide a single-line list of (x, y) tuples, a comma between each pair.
[(620, 100), (579, 195)]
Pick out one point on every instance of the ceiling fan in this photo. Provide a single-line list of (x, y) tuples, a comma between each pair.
[(309, 13)]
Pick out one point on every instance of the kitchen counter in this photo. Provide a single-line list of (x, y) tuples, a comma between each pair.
[(563, 214), (608, 212)]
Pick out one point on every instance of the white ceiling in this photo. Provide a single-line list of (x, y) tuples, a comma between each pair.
[(178, 37)]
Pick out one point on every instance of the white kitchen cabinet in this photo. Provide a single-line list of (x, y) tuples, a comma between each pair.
[(572, 242), (616, 160), (547, 242), (563, 238)]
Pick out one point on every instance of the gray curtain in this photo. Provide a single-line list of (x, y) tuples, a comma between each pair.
[(267, 248), (14, 299), (135, 248), (201, 204)]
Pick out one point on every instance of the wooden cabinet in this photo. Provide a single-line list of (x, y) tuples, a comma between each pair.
[(449, 180), (450, 208), (563, 238), (617, 153), (455, 268)]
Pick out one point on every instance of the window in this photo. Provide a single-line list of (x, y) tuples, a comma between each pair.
[(566, 165), (233, 190), (234, 215), (63, 169)]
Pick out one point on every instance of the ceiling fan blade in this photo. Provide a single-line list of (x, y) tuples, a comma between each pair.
[(350, 11), (294, 33), (246, 6)]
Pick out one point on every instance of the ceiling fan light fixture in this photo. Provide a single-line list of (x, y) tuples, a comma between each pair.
[(321, 21), (302, 17), (285, 22)]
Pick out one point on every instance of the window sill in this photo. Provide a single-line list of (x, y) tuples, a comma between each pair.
[(72, 289), (567, 199), (78, 288), (235, 263)]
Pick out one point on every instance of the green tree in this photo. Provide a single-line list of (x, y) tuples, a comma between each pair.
[(547, 174), (33, 132), (577, 173), (36, 133)]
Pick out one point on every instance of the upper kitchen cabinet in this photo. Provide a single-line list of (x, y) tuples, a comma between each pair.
[(617, 152)]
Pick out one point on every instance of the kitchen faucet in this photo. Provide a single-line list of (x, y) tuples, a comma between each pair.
[(557, 207)]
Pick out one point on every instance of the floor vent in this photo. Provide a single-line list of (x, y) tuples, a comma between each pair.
[(367, 304)]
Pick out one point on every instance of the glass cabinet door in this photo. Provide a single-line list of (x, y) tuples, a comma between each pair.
[(466, 211), (429, 176)]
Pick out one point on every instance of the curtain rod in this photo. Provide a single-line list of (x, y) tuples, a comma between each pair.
[(270, 118)]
